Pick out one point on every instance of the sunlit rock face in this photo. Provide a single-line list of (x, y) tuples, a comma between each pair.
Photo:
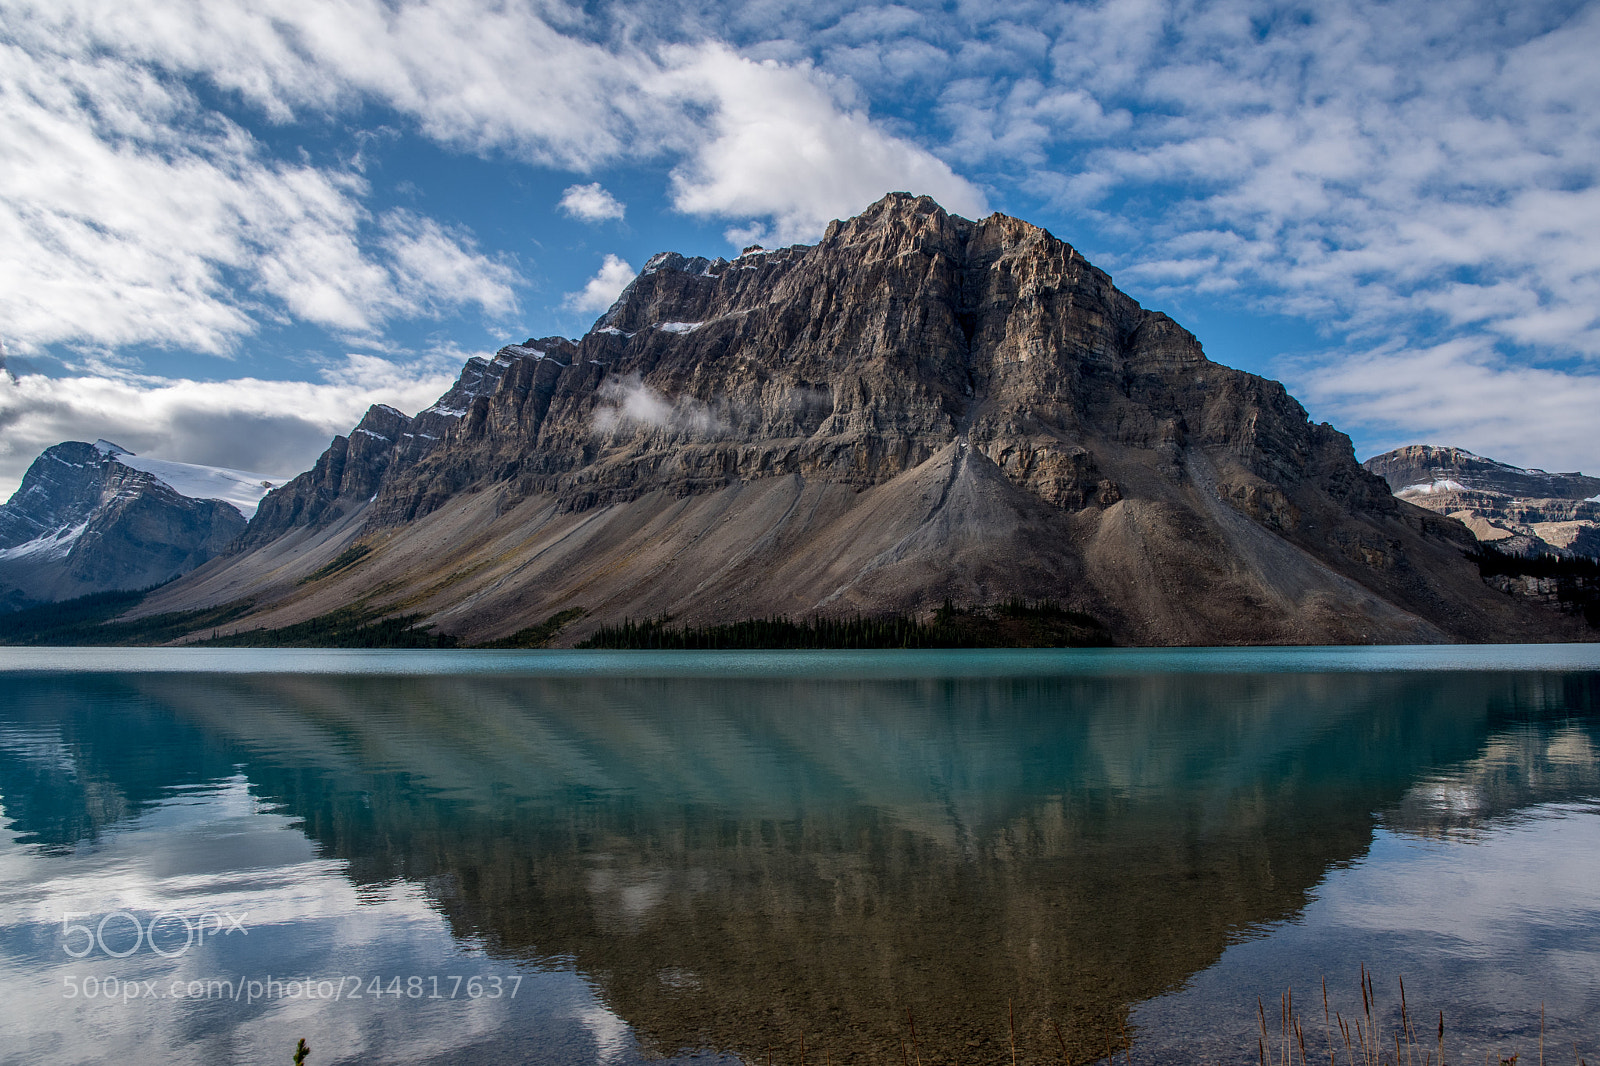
[(919, 407), (1524, 512), (85, 522)]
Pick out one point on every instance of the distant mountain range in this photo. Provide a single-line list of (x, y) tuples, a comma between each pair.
[(1524, 512), (920, 410), (94, 517)]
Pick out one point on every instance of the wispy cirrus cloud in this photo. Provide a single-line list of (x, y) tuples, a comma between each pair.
[(130, 215), (460, 70), (137, 214), (1458, 392), (1366, 166)]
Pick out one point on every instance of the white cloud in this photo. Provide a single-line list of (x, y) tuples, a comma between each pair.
[(474, 74), (128, 217), (784, 146), (1460, 392), (591, 203), (434, 266), (243, 423), (604, 288), (759, 139), (132, 214), (1367, 165)]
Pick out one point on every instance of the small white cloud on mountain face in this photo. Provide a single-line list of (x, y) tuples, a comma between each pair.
[(627, 403), (604, 288), (591, 203)]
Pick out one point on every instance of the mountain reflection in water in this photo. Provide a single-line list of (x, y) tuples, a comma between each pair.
[(735, 863)]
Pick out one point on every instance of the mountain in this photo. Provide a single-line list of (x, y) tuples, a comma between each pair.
[(95, 518), (1523, 512), (918, 408)]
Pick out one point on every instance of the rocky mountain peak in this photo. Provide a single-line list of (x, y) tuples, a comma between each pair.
[(918, 407), (1419, 467), (1521, 511), (84, 520), (59, 490)]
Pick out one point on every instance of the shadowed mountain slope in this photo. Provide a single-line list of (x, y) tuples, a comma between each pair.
[(85, 520), (918, 407)]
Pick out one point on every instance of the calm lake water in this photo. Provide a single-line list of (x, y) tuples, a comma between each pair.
[(560, 857)]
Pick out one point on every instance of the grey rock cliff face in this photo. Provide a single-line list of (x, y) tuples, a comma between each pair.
[(906, 330), (82, 522), (1523, 512), (345, 476), (919, 406)]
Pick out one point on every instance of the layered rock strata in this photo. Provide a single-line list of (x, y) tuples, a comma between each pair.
[(918, 407), (1522, 512)]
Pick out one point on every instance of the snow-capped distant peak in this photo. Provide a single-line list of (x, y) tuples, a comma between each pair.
[(242, 489), (105, 447)]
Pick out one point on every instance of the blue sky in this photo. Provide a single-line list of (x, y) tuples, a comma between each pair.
[(226, 226)]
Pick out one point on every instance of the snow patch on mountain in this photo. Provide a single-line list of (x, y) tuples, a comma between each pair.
[(53, 545), (242, 489), (1445, 485)]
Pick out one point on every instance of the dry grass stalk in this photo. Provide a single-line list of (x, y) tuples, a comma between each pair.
[(1066, 1059)]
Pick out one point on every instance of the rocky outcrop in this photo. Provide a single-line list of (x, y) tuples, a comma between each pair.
[(84, 522), (1522, 512), (919, 407), (345, 476)]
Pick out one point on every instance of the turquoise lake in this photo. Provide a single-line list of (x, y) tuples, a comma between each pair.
[(851, 857)]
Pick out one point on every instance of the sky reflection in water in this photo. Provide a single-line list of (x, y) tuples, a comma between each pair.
[(671, 864)]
